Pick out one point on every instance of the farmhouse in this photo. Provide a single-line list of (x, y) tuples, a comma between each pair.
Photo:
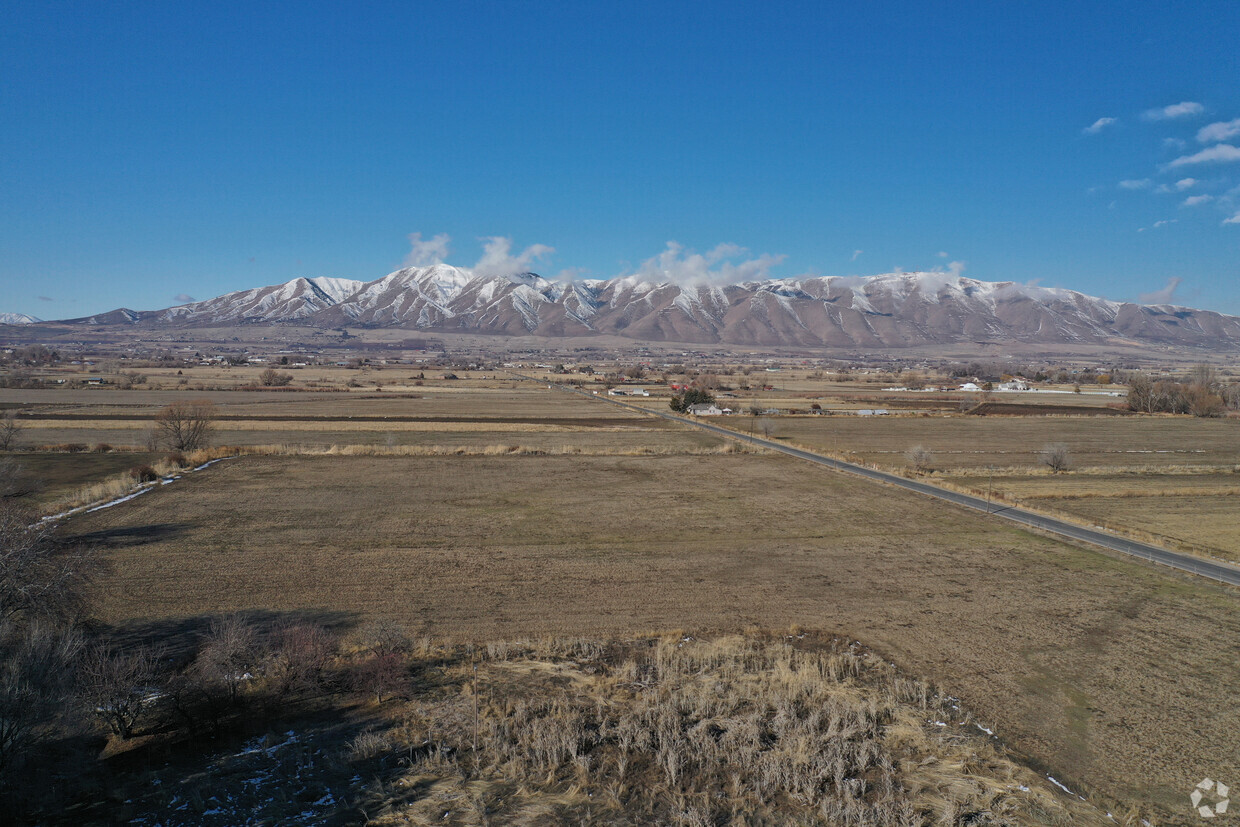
[(705, 410)]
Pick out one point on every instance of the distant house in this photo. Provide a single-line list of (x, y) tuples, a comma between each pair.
[(970, 386), (705, 410), (616, 392), (873, 412), (638, 392), (1014, 385), (94, 380)]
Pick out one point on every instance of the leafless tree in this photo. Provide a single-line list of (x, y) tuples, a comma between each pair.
[(40, 577), (36, 684), (186, 425), (272, 378), (298, 660), (767, 427), (119, 686), (10, 430), (229, 656), (920, 458), (1056, 457)]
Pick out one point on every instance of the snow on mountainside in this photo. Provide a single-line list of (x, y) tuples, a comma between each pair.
[(294, 299), (18, 318), (883, 311)]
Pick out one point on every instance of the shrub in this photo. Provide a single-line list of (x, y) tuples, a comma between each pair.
[(143, 473), (101, 448), (176, 459), (920, 458)]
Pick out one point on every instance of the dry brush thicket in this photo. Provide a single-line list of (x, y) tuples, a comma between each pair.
[(750, 729)]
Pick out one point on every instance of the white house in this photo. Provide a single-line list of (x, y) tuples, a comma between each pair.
[(705, 410), (970, 386)]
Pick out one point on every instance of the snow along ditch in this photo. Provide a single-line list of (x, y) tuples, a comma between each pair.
[(142, 489)]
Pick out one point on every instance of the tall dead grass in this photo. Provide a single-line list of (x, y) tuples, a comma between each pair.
[(746, 729)]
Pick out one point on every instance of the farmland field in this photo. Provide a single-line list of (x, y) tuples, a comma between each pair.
[(1088, 664)]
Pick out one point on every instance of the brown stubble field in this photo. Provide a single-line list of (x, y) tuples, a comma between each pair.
[(1173, 480), (1112, 675)]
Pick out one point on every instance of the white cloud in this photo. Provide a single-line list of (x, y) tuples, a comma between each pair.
[(1160, 223), (1235, 219), (1219, 152), (1185, 183), (183, 298), (1194, 200), (941, 254), (1099, 125), (498, 260), (1221, 131), (685, 267), (1183, 109), (425, 253), (1135, 184), (855, 254), (1163, 296), (1175, 143)]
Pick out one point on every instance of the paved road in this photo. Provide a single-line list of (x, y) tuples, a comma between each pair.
[(1156, 554)]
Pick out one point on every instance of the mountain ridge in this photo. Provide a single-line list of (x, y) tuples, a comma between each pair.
[(890, 310)]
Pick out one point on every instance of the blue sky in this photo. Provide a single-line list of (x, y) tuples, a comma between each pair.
[(154, 151)]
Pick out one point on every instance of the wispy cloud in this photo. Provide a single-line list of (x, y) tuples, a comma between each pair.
[(1160, 223), (723, 265), (1184, 109), (46, 299), (1221, 153), (1175, 143), (1163, 296), (1195, 200), (1185, 183), (1220, 131), (855, 254), (425, 253), (1099, 125), (1235, 219), (498, 260), (1135, 184), (183, 298), (941, 254)]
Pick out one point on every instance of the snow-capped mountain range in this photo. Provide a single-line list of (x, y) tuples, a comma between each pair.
[(884, 311), (18, 318)]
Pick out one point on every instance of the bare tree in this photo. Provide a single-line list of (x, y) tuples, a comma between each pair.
[(10, 430), (272, 378), (39, 576), (921, 458), (299, 659), (1056, 457), (36, 684), (186, 425), (767, 427), (119, 686), (228, 656)]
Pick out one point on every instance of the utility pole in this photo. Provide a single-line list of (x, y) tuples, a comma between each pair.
[(989, 486), (475, 713)]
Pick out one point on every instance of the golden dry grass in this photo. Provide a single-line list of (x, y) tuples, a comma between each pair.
[(1089, 664)]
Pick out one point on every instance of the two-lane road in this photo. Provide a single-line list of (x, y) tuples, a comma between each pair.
[(1221, 572)]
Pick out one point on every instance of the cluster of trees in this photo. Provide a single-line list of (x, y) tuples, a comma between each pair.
[(1201, 393), (693, 396)]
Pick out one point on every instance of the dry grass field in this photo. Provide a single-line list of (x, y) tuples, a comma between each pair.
[(1169, 479), (1106, 672)]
